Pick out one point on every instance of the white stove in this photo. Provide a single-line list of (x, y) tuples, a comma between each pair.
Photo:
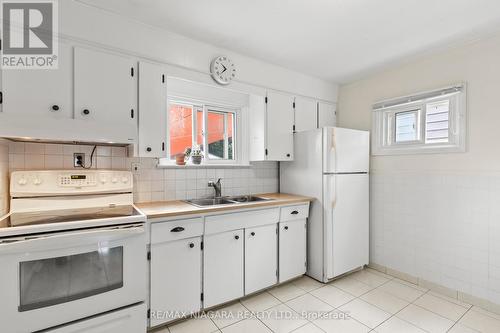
[(73, 254)]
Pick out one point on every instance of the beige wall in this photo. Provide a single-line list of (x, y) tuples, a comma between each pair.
[(4, 177), (437, 216)]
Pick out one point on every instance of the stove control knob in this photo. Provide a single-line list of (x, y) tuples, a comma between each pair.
[(114, 180), (22, 181), (125, 180), (37, 181), (103, 180)]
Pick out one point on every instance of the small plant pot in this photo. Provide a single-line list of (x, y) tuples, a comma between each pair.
[(196, 159), (180, 159)]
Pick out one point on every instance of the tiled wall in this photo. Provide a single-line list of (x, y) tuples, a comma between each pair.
[(443, 227), (4, 177), (151, 183)]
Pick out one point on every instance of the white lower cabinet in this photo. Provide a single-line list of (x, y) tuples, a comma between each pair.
[(223, 267), (292, 249), (260, 258)]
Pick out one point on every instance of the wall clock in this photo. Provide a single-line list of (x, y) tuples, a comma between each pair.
[(223, 70)]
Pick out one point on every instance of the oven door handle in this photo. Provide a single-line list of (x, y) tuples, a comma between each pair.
[(70, 239)]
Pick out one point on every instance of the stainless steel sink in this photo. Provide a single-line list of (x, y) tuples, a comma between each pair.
[(210, 202), (247, 198)]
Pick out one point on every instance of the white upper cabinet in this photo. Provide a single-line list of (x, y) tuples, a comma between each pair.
[(306, 111), (152, 110), (33, 94), (105, 88), (279, 143), (327, 114)]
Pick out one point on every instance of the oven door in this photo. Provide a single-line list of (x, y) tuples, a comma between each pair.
[(51, 279)]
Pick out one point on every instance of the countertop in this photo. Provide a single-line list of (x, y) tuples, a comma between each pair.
[(178, 208)]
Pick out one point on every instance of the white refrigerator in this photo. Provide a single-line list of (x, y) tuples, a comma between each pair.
[(331, 164)]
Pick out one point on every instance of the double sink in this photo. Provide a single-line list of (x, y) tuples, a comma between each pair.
[(226, 200)]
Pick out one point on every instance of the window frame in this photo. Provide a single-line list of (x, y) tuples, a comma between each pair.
[(384, 125), (206, 107)]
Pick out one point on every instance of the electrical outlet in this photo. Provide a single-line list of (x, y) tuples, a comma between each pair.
[(78, 160)]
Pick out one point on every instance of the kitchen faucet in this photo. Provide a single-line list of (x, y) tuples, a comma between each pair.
[(217, 187)]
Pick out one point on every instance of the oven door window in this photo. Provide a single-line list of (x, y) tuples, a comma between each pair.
[(59, 280)]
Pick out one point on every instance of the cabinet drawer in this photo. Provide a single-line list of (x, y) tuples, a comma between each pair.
[(297, 212), (174, 230), (233, 221)]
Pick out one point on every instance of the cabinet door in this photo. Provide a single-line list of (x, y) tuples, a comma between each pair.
[(152, 110), (105, 87), (223, 267), (175, 279), (279, 127), (32, 94), (260, 258), (292, 249), (306, 111), (327, 114)]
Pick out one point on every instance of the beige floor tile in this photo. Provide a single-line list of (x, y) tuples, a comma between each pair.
[(260, 302), (365, 313), (369, 278), (309, 307), (486, 312), (352, 286), (251, 325), (425, 319), (409, 284), (458, 328), (282, 319), (335, 324), (480, 322), (308, 284), (286, 292), (229, 315), (384, 301), (374, 271), (161, 330), (440, 306), (195, 325), (309, 328), (401, 290), (396, 325), (450, 299), (332, 295)]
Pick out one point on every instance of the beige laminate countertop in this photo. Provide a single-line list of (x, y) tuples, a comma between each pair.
[(177, 207)]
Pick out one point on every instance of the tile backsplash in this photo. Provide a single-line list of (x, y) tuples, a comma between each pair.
[(4, 177), (150, 183)]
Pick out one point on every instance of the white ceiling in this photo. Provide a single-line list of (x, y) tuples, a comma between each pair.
[(337, 40)]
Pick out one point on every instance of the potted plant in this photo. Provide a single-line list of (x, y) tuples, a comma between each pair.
[(195, 153), (180, 159)]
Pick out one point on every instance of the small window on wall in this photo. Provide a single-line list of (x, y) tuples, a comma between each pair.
[(428, 122), (211, 128)]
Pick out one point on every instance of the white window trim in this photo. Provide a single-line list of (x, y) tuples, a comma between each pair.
[(458, 123), (239, 151)]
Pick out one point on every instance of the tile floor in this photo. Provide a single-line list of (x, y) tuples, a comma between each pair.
[(365, 301)]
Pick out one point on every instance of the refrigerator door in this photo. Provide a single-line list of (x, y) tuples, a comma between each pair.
[(345, 150), (346, 204)]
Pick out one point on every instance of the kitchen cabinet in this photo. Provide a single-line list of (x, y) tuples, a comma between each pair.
[(35, 94), (292, 249), (327, 114), (176, 264), (152, 110), (306, 112), (223, 279), (279, 131), (105, 88), (260, 258)]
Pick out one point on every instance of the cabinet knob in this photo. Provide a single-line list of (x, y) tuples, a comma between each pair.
[(191, 245), (287, 155), (236, 237), (55, 107), (252, 233), (286, 227), (148, 149), (86, 112), (294, 212)]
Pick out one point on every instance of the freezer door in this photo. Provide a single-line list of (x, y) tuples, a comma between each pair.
[(346, 201), (345, 150)]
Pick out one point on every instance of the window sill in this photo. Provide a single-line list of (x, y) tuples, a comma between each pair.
[(202, 166)]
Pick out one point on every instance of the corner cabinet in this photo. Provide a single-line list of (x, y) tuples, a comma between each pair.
[(327, 114)]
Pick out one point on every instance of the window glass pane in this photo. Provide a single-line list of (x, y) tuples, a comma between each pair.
[(180, 124), (437, 122), (230, 135), (199, 129), (215, 135), (406, 126), (47, 282)]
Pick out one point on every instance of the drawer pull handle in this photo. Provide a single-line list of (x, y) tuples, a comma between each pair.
[(177, 229), (252, 233), (191, 245), (236, 237), (286, 228), (294, 212)]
